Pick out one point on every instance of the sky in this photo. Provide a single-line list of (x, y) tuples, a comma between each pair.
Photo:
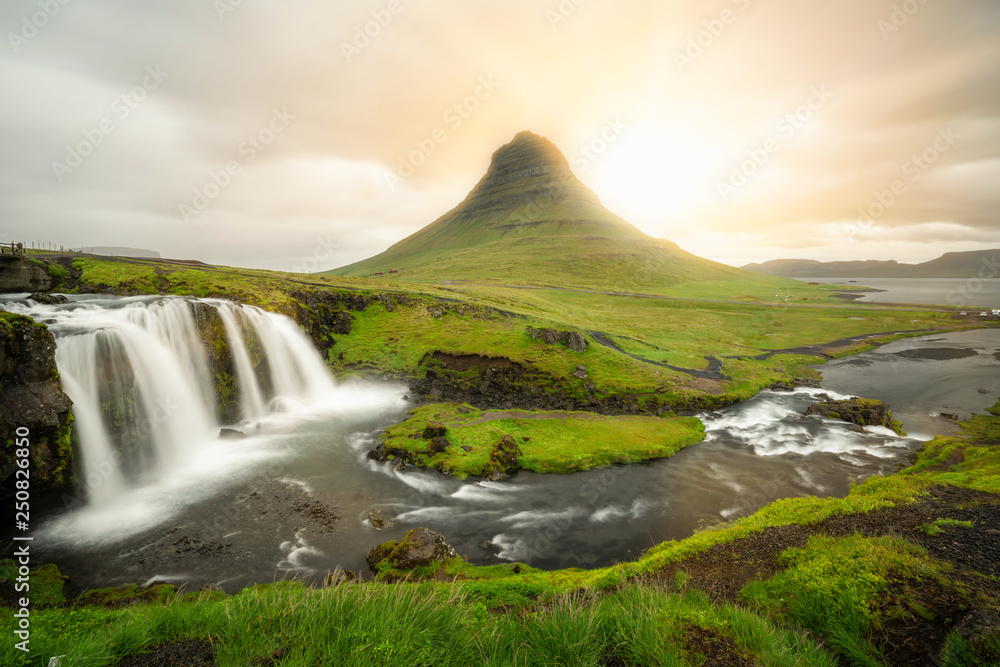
[(305, 135)]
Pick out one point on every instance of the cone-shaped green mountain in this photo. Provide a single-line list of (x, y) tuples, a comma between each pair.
[(530, 221)]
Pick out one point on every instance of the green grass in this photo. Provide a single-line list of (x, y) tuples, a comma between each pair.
[(681, 333), (821, 609), (413, 625), (937, 526), (832, 586), (549, 441)]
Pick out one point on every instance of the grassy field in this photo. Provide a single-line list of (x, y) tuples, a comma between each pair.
[(738, 319), (832, 596), (549, 441)]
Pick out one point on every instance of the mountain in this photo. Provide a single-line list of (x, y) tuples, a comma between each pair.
[(119, 251), (976, 263), (530, 221)]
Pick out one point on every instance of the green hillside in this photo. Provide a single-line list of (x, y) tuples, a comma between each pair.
[(530, 221)]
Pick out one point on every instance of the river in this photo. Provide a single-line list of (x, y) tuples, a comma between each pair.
[(236, 512)]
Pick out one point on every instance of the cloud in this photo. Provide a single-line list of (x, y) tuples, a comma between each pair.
[(368, 89)]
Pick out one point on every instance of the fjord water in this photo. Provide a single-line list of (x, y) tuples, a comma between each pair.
[(195, 509), (962, 293)]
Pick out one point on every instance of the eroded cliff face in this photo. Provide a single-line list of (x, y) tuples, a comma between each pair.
[(32, 397), (20, 274)]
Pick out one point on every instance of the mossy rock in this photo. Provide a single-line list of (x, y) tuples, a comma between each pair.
[(419, 552), (858, 411), (128, 595), (503, 459)]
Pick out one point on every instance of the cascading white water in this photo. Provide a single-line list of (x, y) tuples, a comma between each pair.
[(139, 374)]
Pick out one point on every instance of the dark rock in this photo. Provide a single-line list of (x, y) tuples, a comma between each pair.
[(577, 342), (231, 434), (33, 398), (342, 324), (467, 449), (379, 521), (383, 453), (210, 588), (572, 339), (20, 274), (503, 459), (781, 385), (418, 548), (431, 374), (48, 299), (434, 430), (859, 411), (337, 577), (437, 446), (949, 415)]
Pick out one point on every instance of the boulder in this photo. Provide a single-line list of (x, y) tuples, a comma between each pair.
[(48, 299), (420, 547), (434, 430), (503, 459), (859, 411), (577, 342), (438, 446), (337, 577), (378, 520), (572, 339), (231, 434)]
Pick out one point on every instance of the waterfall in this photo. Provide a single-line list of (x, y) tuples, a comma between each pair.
[(152, 378)]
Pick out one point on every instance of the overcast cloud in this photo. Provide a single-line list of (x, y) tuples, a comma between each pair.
[(279, 135)]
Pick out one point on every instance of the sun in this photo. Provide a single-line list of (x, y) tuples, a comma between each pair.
[(652, 176)]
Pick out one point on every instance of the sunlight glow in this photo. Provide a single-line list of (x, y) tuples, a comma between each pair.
[(653, 176)]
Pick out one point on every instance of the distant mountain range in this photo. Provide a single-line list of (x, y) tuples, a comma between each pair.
[(530, 221), (117, 251), (976, 263)]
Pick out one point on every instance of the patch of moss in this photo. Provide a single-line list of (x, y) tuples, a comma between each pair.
[(128, 594), (549, 441)]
